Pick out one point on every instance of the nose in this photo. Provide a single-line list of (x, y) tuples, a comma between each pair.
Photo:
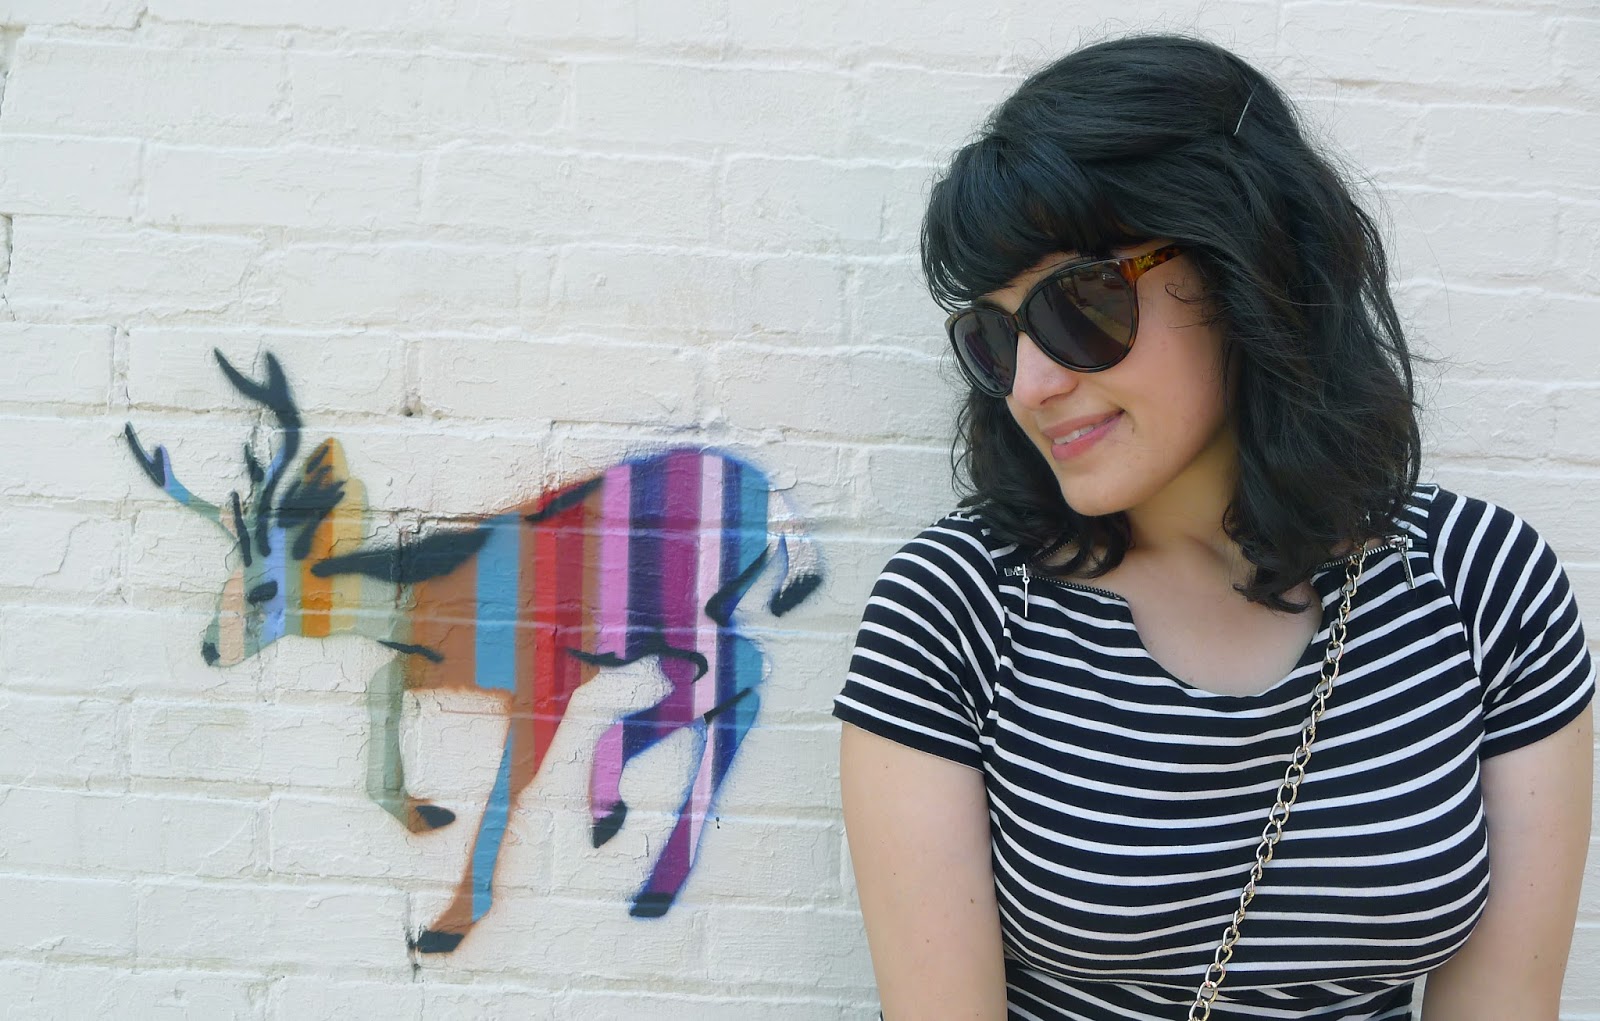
[(208, 652), (1039, 378)]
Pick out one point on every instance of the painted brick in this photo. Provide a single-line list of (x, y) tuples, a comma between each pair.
[(889, 303), (392, 97), (601, 287), (57, 829), (1524, 333), (309, 746), (1576, 411), (807, 204), (271, 927), (564, 195), (1576, 42), (67, 916), (909, 486), (839, 391), (686, 24), (81, 13), (189, 92), (295, 186), (55, 364), (353, 838), (688, 107), (297, 997), (1525, 419), (63, 459), (668, 1007), (1578, 245), (809, 781), (60, 552), (49, 739), (921, 112), (1480, 49), (1471, 237), (68, 176), (48, 992), (403, 283), (418, 22), (469, 379), (1376, 137), (946, 32), (1578, 994), (1517, 147), (821, 944), (63, 649), (561, 937), (327, 371), (73, 269)]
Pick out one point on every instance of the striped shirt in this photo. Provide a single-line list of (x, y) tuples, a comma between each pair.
[(1125, 805)]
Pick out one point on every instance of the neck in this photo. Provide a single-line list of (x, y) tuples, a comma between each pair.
[(1183, 523)]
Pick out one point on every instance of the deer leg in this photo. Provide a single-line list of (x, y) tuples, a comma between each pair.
[(722, 730), (475, 894), (633, 735), (386, 781)]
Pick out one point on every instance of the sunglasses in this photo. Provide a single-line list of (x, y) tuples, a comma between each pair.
[(1084, 315)]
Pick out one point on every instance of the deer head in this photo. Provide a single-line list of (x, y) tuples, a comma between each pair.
[(281, 526)]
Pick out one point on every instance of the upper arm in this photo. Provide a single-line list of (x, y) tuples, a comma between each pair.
[(918, 827), (1537, 802)]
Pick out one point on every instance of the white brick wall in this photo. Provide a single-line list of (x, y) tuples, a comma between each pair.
[(498, 243)]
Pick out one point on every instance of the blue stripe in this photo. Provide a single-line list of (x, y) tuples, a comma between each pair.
[(490, 833), (496, 646), (647, 506), (272, 622)]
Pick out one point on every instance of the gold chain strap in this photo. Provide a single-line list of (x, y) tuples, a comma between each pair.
[(1288, 791)]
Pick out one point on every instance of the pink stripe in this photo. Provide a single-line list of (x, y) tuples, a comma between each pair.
[(615, 522), (710, 579), (681, 523)]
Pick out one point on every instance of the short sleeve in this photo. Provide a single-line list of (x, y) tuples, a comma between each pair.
[(1521, 619), (926, 653)]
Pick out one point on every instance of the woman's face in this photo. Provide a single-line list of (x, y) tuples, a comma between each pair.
[(1163, 408)]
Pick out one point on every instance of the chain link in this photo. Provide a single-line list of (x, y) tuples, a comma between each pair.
[(1288, 792)]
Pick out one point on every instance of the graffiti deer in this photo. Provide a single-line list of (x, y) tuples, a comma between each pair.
[(651, 557)]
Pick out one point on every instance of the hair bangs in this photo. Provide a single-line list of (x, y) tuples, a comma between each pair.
[(1001, 209)]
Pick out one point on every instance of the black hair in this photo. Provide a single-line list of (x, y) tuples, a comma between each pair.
[(1139, 138)]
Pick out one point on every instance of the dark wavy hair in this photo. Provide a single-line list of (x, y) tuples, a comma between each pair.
[(1139, 138)]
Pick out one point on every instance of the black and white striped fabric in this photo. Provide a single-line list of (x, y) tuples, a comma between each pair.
[(1125, 806)]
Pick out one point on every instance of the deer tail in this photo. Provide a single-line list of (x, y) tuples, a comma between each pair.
[(798, 560)]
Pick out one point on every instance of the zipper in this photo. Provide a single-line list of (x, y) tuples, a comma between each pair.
[(1399, 540), (1021, 571)]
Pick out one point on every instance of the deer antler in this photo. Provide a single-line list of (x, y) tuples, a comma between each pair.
[(274, 394), (156, 466)]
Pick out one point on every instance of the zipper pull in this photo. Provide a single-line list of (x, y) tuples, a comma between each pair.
[(1024, 591), (1405, 556)]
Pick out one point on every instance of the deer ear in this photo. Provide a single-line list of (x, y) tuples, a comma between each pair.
[(321, 507)]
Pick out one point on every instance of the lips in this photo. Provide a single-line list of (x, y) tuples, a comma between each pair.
[(1072, 428)]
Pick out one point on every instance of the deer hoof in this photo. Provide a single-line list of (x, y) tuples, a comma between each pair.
[(651, 904), (607, 825), (433, 816), (436, 941)]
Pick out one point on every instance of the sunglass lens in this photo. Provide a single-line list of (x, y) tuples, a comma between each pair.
[(1084, 319), (987, 347)]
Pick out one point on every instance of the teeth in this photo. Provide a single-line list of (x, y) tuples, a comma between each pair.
[(1084, 431)]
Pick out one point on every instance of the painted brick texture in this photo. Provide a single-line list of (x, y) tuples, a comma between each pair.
[(497, 245)]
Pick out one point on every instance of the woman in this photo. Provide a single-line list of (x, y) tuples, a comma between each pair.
[(1192, 460)]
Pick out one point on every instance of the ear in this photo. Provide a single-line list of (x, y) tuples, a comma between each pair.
[(321, 506)]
